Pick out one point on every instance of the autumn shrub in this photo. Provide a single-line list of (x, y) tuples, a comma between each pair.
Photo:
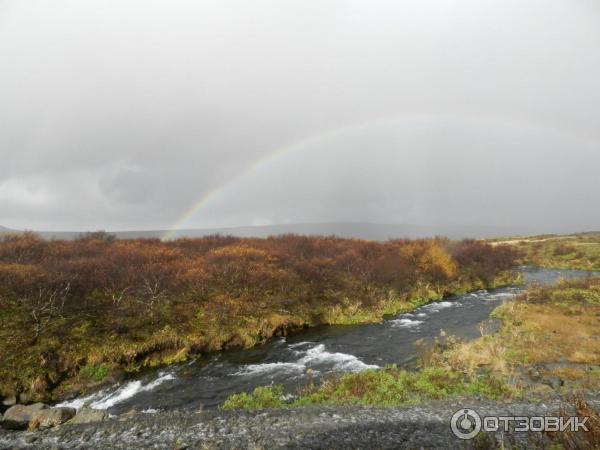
[(579, 407), (100, 296)]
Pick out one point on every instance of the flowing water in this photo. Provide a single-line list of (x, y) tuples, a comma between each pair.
[(325, 350)]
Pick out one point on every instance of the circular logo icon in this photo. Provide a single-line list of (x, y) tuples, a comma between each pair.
[(465, 424)]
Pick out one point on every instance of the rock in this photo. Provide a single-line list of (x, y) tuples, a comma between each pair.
[(17, 417), (51, 417), (128, 415), (87, 415), (535, 373), (553, 382), (10, 400), (30, 439), (24, 397), (115, 376), (21, 417)]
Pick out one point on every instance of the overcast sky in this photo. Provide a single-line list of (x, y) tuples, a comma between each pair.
[(153, 114)]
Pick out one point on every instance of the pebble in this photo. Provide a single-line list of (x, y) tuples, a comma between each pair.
[(423, 426)]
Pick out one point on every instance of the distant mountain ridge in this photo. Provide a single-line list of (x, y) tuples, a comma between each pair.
[(357, 230)]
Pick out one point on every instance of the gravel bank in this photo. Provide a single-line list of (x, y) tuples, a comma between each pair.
[(424, 426)]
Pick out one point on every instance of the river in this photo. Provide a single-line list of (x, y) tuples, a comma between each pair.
[(207, 382)]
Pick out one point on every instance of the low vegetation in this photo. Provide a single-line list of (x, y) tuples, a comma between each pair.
[(382, 387), (547, 334), (75, 312), (570, 440), (578, 251), (559, 324)]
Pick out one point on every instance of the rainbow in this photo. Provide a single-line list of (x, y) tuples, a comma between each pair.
[(210, 195)]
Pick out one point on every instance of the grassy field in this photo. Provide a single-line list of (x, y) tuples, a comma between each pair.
[(578, 251), (547, 334)]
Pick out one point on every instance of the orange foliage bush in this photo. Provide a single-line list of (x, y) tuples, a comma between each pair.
[(131, 275), (215, 291)]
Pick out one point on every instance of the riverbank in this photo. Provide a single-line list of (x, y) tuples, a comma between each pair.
[(423, 426)]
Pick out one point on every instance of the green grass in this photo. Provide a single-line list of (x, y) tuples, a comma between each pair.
[(260, 398), (95, 372), (382, 387)]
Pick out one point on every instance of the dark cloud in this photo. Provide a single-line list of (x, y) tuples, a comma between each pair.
[(124, 114)]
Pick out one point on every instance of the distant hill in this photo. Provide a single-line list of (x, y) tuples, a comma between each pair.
[(369, 231)]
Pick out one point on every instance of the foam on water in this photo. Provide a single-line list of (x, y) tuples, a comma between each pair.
[(300, 344), (435, 307), (123, 393), (406, 323), (341, 361), (313, 358), (79, 402), (160, 380), (105, 399), (257, 369), (502, 295)]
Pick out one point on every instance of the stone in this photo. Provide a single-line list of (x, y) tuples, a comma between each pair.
[(554, 382), (9, 400), (30, 439), (24, 397), (535, 374), (128, 415), (87, 415), (116, 376), (51, 417), (17, 417)]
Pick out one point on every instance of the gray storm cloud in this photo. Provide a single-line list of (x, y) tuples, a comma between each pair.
[(391, 171), (129, 114)]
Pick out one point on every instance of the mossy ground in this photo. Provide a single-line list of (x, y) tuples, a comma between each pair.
[(578, 251)]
